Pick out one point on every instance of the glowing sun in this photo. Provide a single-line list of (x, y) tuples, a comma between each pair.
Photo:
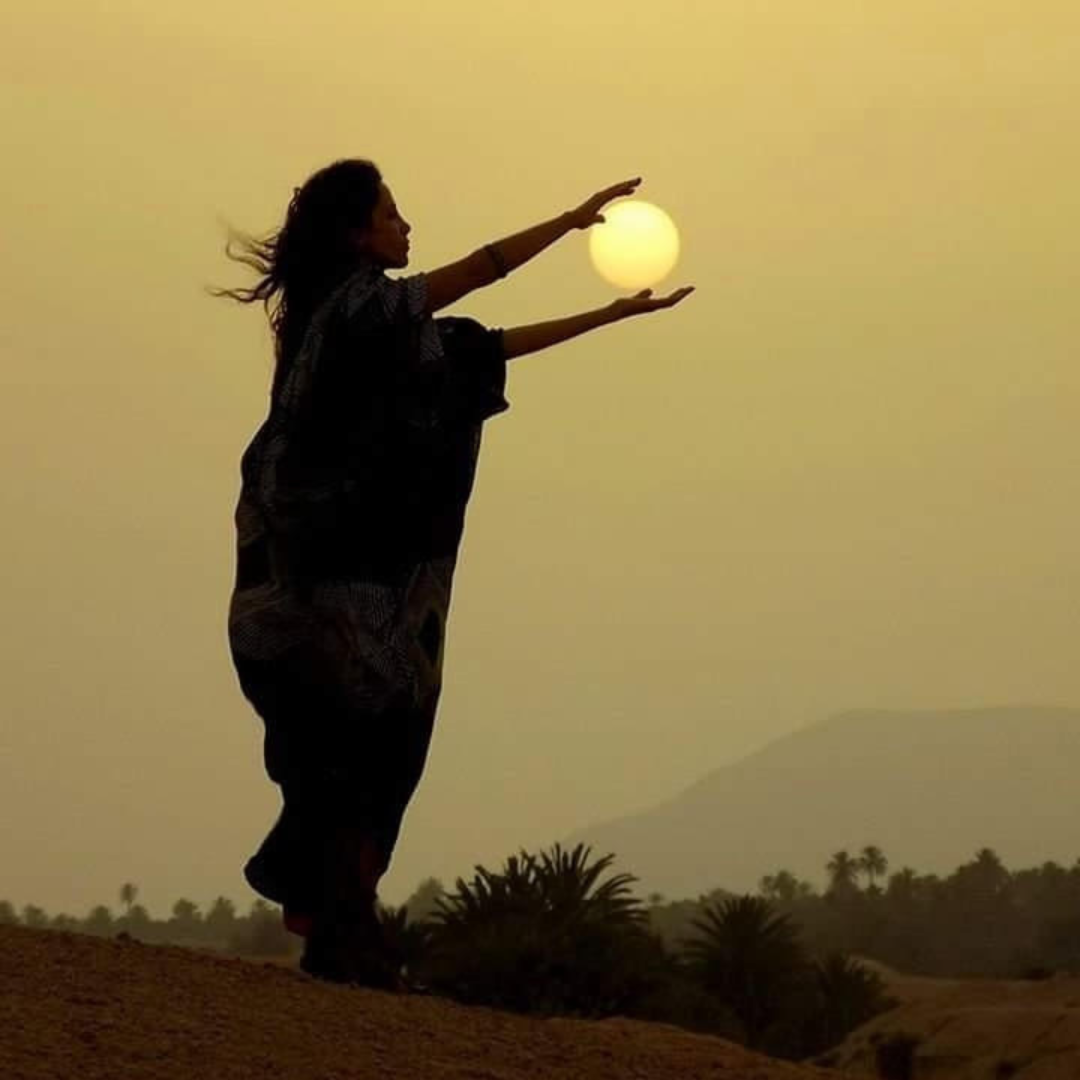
[(635, 246)]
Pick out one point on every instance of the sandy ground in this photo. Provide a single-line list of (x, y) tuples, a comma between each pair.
[(975, 1029), (76, 1007)]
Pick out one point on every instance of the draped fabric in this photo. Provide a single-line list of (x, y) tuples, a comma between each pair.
[(353, 490), (348, 522)]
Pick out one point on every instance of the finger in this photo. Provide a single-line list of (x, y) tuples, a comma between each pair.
[(675, 297), (625, 187)]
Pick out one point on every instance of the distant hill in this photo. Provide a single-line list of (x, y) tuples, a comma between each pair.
[(928, 788)]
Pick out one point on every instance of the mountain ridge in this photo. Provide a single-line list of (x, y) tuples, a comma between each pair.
[(927, 786)]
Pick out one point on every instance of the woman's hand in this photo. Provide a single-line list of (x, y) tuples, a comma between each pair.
[(644, 301), (588, 213)]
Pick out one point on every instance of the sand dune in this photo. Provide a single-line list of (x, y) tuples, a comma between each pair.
[(76, 1007), (975, 1029)]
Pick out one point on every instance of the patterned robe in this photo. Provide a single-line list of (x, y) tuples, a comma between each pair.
[(354, 488)]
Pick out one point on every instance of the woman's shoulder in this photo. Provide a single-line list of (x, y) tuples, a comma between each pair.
[(370, 298)]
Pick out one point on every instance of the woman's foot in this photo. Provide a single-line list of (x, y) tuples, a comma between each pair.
[(351, 948)]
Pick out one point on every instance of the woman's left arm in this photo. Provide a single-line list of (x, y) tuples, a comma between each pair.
[(519, 340), (526, 339)]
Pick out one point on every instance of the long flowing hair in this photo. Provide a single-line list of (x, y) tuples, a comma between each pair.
[(311, 254)]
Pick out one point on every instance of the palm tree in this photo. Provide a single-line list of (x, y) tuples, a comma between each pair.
[(842, 870), (903, 885), (872, 862), (988, 871), (405, 939), (128, 892), (566, 880), (543, 936), (750, 958), (783, 887), (848, 994)]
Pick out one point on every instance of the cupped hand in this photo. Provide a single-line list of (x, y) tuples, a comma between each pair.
[(588, 213), (644, 301)]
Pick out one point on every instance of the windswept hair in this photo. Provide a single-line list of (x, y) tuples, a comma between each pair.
[(311, 254)]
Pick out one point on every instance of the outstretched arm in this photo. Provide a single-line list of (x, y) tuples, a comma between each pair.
[(450, 283), (519, 340), (521, 247)]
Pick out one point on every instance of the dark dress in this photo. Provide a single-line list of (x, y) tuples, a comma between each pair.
[(350, 515)]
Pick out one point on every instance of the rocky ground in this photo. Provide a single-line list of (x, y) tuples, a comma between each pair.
[(76, 1007)]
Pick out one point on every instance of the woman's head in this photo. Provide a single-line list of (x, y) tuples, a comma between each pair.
[(341, 215), (386, 239)]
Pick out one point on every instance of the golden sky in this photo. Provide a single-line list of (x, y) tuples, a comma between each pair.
[(842, 474)]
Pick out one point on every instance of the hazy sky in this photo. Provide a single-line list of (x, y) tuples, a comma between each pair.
[(842, 474)]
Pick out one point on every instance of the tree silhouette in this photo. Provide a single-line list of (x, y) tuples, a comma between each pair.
[(186, 921), (220, 920), (783, 887), (872, 862), (261, 933), (903, 886), (849, 994), (405, 938), (544, 935), (35, 917), (137, 922), (751, 958), (100, 921), (128, 892), (985, 875), (843, 871)]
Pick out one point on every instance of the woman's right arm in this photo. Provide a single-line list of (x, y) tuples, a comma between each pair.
[(450, 283), (455, 280)]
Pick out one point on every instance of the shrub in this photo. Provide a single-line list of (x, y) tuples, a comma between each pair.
[(535, 938)]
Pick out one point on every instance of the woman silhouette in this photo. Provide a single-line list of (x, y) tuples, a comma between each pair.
[(350, 513)]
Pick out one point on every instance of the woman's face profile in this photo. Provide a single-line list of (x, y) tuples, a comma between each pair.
[(387, 241)]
